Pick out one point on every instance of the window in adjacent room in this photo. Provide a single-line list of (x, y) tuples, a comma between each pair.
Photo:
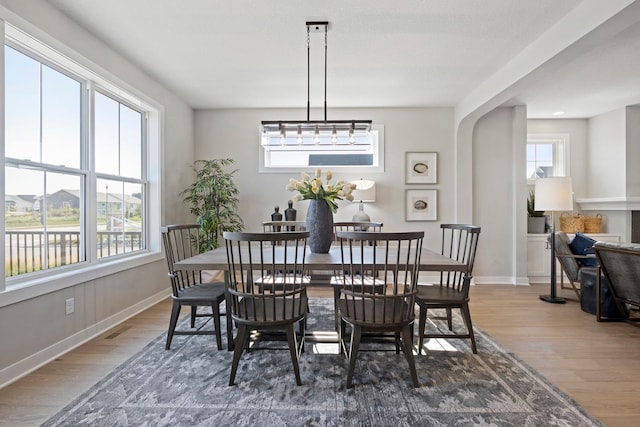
[(547, 155)]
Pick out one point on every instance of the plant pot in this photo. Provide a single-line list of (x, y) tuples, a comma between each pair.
[(536, 224)]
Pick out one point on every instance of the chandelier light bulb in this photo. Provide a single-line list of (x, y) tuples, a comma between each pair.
[(299, 137)]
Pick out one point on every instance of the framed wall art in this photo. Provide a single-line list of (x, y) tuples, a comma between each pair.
[(421, 168), (421, 205)]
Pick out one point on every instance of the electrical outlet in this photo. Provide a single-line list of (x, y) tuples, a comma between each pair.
[(69, 305)]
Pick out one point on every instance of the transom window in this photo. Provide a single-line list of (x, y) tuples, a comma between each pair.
[(290, 153)]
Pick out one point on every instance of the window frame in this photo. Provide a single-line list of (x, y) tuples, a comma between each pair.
[(560, 161), (13, 290)]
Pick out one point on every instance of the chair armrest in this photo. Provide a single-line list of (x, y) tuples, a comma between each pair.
[(578, 257), (589, 256)]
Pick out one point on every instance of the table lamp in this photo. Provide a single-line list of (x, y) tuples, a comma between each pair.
[(365, 191), (553, 194)]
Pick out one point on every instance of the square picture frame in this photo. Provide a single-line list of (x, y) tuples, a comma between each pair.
[(421, 168), (421, 205)]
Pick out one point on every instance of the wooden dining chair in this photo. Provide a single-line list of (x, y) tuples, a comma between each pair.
[(339, 226), (187, 289), (278, 226), (266, 289), (368, 307), (356, 226), (459, 242)]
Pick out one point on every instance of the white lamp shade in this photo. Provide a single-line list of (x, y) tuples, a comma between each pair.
[(365, 191), (554, 194)]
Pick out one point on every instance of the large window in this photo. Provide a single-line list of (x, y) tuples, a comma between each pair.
[(43, 173), (75, 152), (547, 155), (119, 133)]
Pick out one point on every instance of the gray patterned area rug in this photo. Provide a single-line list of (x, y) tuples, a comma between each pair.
[(188, 385)]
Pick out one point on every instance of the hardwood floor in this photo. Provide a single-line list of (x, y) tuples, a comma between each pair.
[(597, 364)]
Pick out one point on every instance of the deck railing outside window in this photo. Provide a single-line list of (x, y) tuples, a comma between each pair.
[(29, 251)]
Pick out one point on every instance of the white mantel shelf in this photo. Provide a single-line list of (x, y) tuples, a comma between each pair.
[(610, 204)]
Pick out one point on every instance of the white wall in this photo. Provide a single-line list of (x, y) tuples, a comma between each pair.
[(235, 134), (606, 155), (35, 330), (632, 131), (614, 177), (499, 196)]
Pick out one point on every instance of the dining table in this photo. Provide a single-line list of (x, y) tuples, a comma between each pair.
[(216, 259)]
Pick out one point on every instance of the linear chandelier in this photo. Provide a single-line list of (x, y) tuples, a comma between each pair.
[(317, 132)]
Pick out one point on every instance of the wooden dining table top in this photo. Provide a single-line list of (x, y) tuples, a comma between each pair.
[(216, 259)]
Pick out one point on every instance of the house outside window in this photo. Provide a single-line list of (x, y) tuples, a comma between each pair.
[(547, 156)]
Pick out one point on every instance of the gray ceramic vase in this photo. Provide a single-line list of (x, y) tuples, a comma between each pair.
[(319, 226)]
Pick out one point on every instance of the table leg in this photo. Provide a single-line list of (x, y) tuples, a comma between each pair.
[(227, 299)]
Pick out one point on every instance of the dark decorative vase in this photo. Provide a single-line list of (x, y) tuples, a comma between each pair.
[(319, 226), (290, 212), (276, 216)]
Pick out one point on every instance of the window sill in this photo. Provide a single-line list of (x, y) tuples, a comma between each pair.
[(52, 283)]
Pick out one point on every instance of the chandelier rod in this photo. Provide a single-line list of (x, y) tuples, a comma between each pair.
[(308, 71), (326, 29)]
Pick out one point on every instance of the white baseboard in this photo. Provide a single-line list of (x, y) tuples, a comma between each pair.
[(31, 363), (480, 280), (501, 280)]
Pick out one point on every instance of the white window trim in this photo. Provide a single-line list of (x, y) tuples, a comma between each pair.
[(64, 277), (561, 152)]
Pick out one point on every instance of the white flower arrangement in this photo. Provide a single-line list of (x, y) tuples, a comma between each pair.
[(314, 188)]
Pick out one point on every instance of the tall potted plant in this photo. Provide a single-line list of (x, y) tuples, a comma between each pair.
[(536, 221), (213, 199)]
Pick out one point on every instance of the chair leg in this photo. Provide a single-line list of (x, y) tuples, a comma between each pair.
[(293, 350), (230, 340), (356, 334), (303, 331), (238, 349), (466, 315), (173, 321), (407, 346), (397, 334), (449, 319), (422, 323), (194, 311), (215, 311), (336, 312)]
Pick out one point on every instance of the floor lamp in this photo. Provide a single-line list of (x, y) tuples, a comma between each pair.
[(553, 194)]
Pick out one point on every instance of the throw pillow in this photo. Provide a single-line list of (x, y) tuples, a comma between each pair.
[(583, 245)]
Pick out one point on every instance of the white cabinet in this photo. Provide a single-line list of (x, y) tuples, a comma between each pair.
[(539, 255), (538, 258)]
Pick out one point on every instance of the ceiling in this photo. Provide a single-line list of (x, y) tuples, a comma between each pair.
[(414, 53)]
